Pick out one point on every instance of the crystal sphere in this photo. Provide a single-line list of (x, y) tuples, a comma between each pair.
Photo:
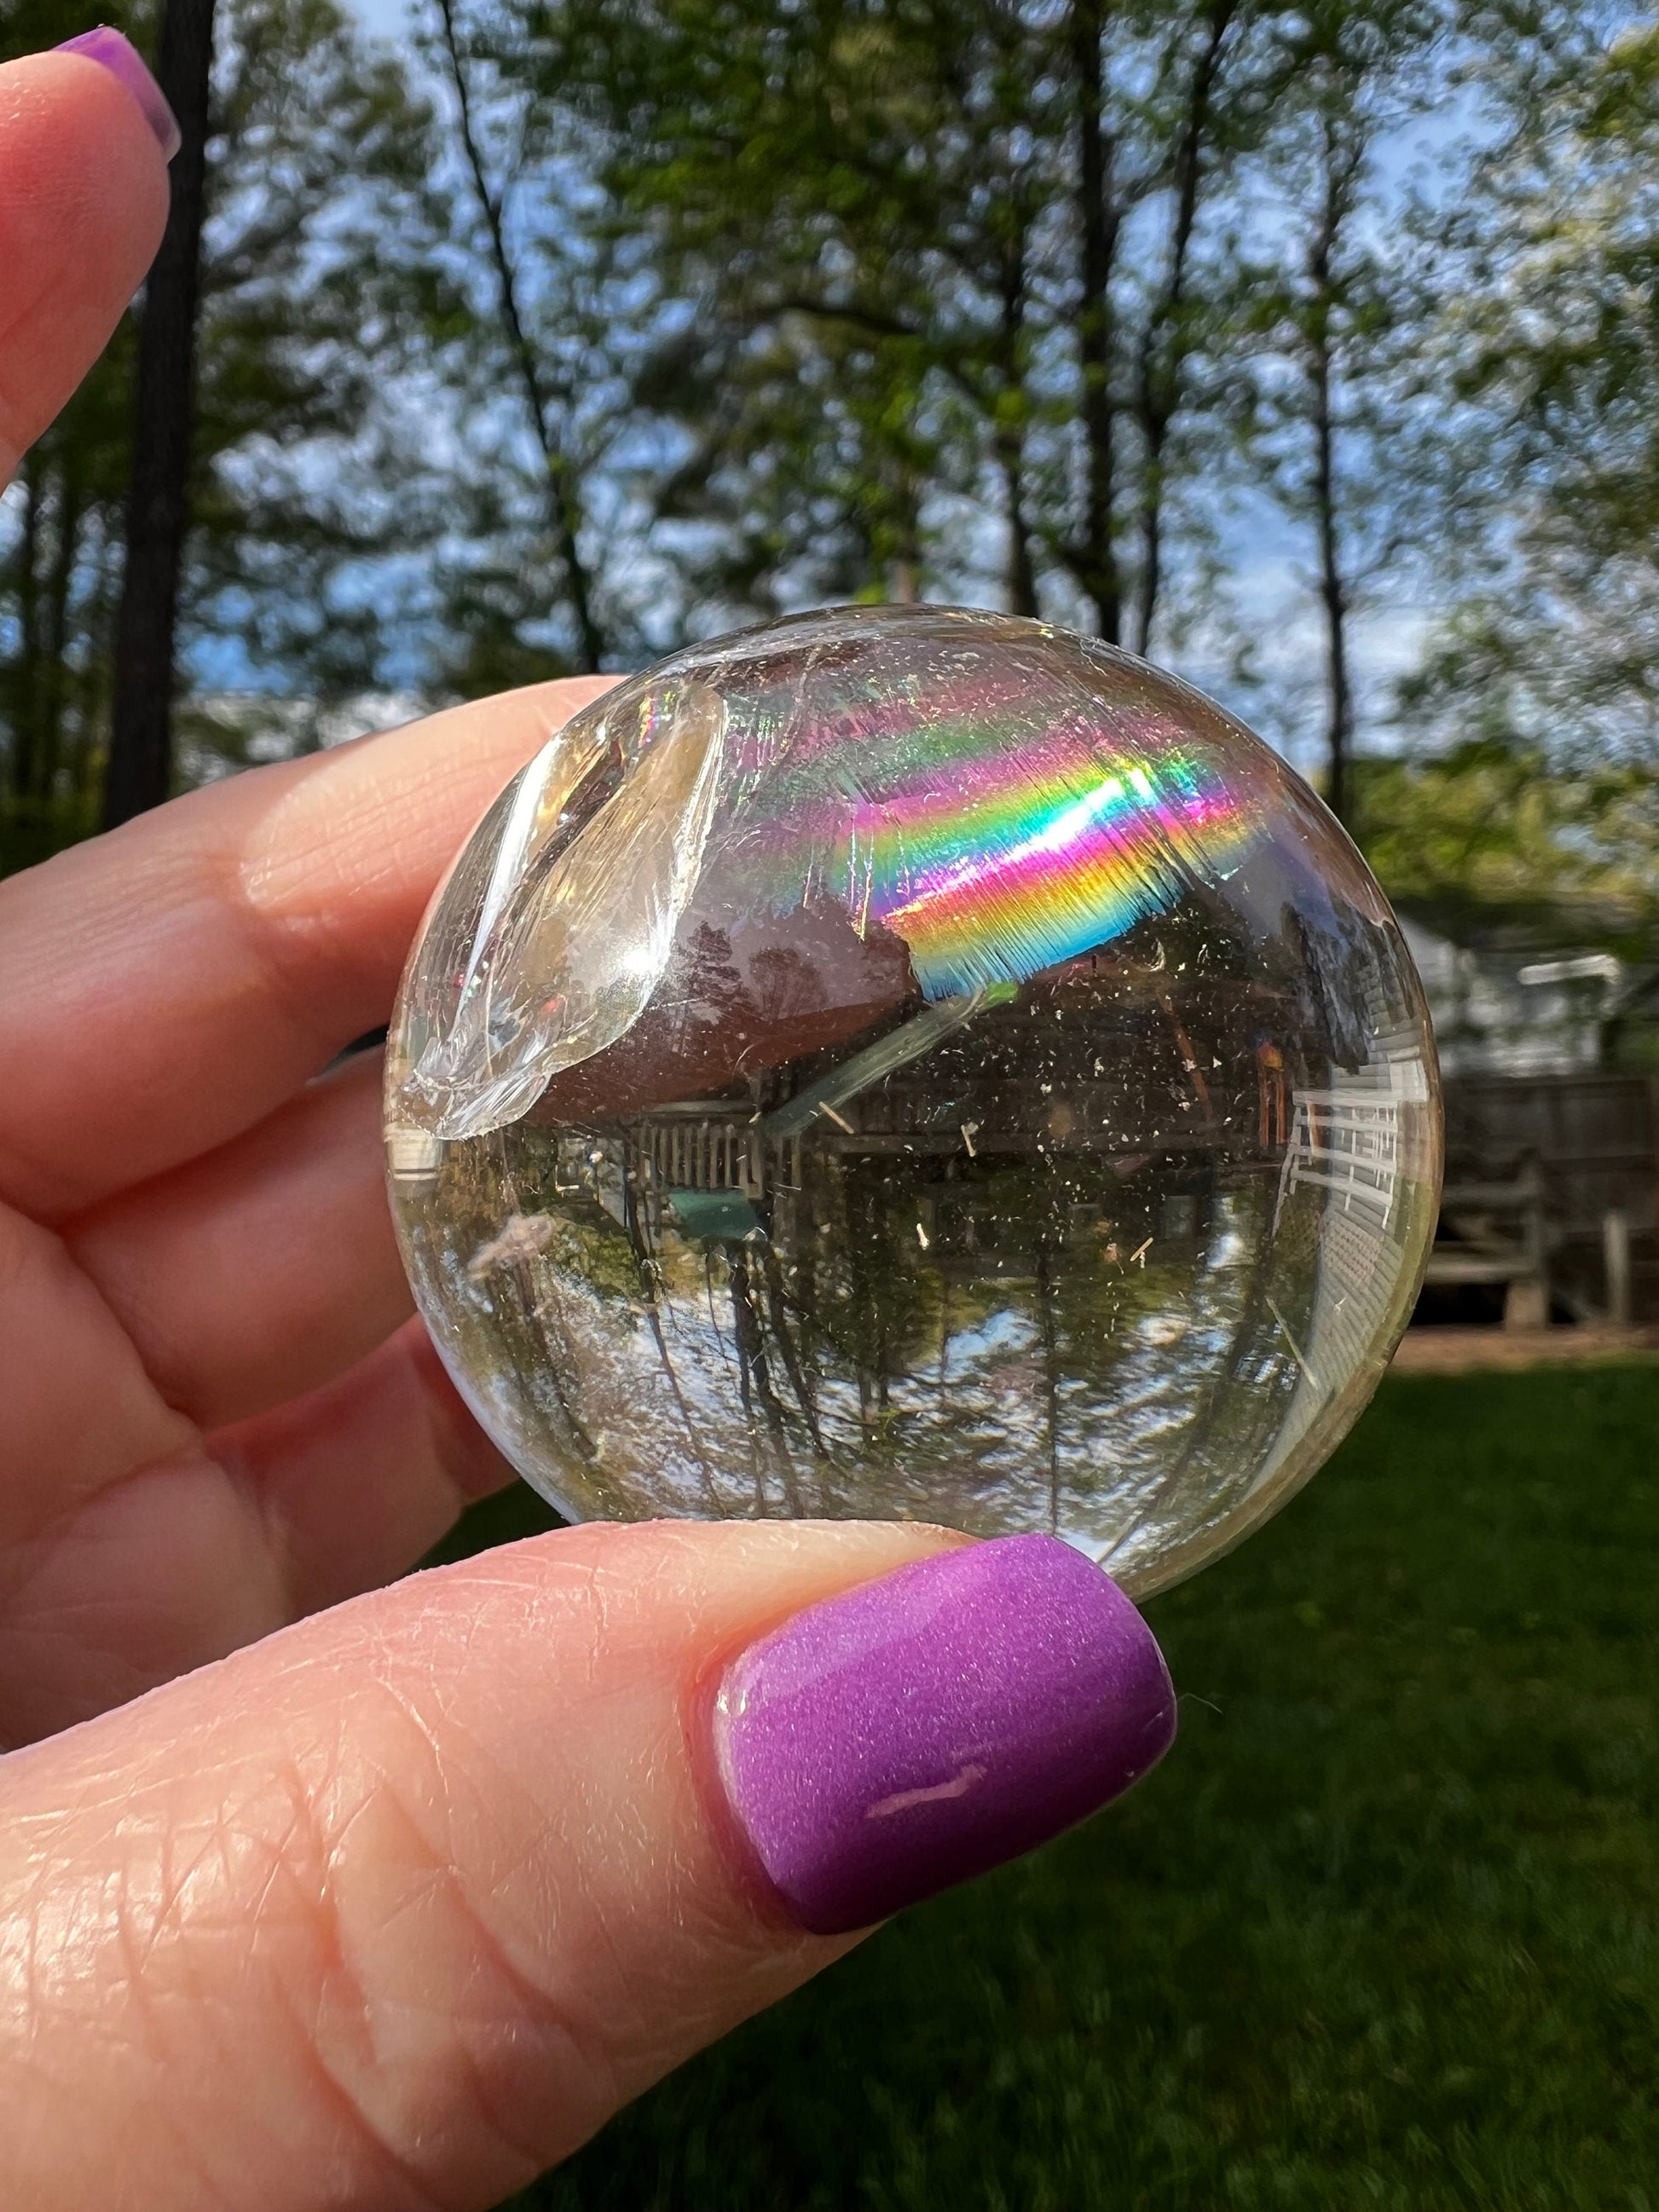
[(914, 1063)]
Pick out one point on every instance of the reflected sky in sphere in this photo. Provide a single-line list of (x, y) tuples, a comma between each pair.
[(907, 1062)]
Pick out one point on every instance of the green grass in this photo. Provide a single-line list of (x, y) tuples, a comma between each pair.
[(1383, 1930)]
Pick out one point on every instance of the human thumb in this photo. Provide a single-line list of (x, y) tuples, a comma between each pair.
[(395, 1909)]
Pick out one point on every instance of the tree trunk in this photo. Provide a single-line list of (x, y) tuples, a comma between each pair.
[(26, 684), (1095, 556), (563, 504), (140, 772), (1163, 347), (1010, 432), (904, 565), (1333, 587), (1022, 575), (1333, 594), (51, 691)]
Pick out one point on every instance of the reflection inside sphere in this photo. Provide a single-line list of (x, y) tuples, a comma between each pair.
[(902, 1062)]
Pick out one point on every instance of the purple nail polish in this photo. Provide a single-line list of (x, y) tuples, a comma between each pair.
[(921, 1729), (112, 51)]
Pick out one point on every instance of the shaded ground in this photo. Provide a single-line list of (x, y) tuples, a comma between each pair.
[(1458, 1351), (1382, 1931)]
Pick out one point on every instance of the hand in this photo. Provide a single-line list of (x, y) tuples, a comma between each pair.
[(392, 1907)]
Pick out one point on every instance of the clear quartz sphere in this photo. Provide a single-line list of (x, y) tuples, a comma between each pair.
[(906, 1062)]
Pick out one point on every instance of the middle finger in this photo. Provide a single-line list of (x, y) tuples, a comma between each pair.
[(169, 985), (262, 1271)]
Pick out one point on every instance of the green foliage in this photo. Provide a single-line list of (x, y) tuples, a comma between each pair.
[(1544, 360), (1383, 1930), (586, 325), (1534, 705), (939, 344), (1487, 827), (320, 289)]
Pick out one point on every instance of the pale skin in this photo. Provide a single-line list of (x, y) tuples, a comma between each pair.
[(307, 1897)]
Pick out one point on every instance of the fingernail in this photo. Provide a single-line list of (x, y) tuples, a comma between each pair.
[(113, 52), (923, 1727)]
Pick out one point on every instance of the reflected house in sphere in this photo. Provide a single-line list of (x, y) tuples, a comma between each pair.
[(1360, 1140), (958, 1118)]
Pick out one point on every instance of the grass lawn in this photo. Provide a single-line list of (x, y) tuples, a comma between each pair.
[(1383, 1930)]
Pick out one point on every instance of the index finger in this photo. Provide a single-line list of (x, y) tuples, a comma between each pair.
[(83, 196), (169, 984)]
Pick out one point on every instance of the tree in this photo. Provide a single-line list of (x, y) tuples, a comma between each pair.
[(332, 334), (982, 235), (1327, 321), (139, 772), (658, 318), (523, 142), (1548, 535), (1193, 125), (59, 574), (60, 549), (1485, 828), (314, 496)]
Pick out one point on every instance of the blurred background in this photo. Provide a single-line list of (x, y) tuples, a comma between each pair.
[(1311, 349)]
